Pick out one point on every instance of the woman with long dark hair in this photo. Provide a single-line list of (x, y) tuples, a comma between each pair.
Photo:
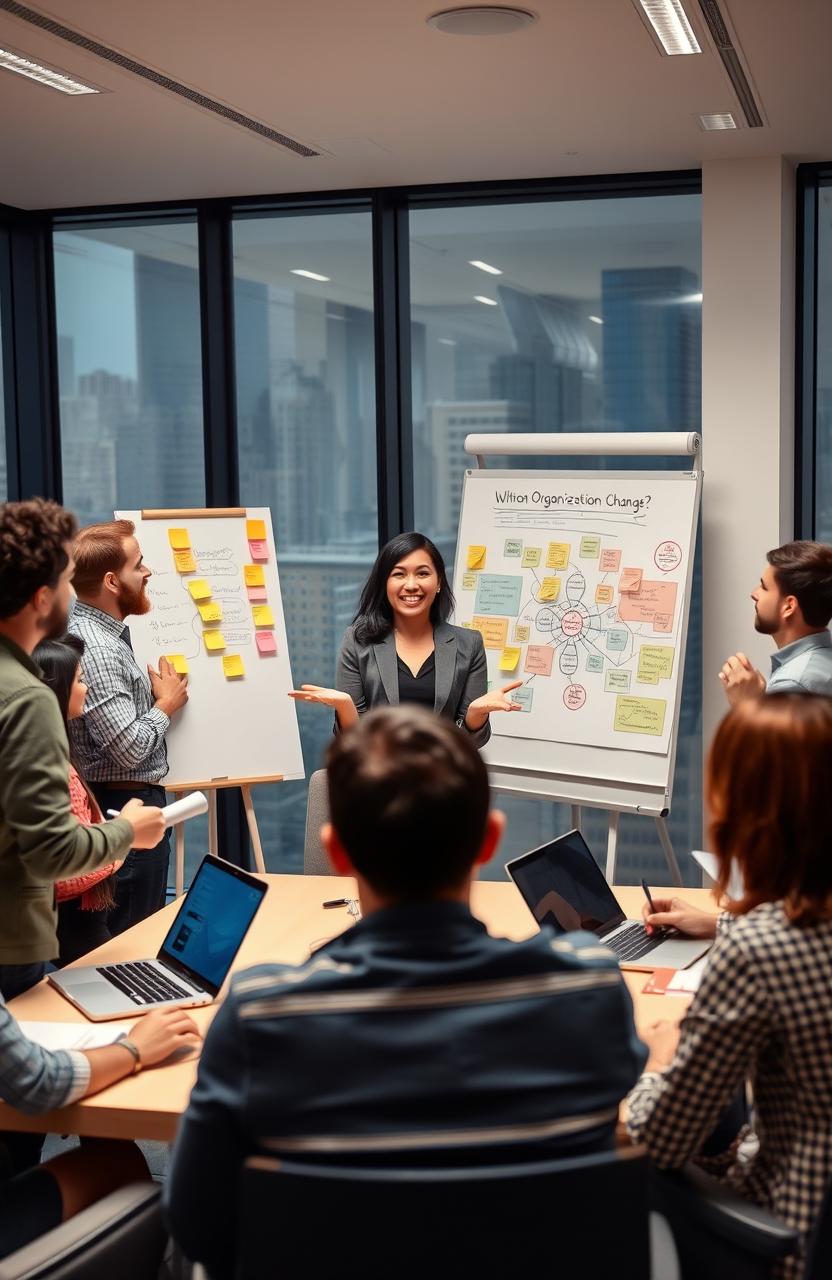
[(401, 647), (763, 1011), (83, 901)]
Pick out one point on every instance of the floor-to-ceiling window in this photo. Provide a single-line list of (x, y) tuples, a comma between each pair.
[(130, 377), (823, 368), (574, 315), (306, 426), (129, 367)]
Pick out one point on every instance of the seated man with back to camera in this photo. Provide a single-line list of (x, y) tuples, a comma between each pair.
[(496, 1051)]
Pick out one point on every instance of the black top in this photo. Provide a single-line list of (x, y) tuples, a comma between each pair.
[(420, 688)]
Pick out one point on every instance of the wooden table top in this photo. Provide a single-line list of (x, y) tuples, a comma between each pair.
[(289, 923)]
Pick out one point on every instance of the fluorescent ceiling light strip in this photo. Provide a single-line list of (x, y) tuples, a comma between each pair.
[(670, 23), (484, 266), (308, 275), (43, 75), (488, 302), (595, 319)]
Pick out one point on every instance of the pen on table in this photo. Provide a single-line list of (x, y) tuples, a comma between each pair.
[(336, 902)]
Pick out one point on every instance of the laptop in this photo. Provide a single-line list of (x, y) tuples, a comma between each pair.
[(563, 886), (192, 962)]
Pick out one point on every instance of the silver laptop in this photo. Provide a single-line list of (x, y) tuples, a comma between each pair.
[(563, 886), (192, 962)]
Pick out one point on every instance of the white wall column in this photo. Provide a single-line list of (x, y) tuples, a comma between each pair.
[(748, 284)]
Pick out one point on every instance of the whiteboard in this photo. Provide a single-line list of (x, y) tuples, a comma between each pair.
[(233, 726), (579, 583)]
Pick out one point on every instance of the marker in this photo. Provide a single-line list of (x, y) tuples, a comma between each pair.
[(336, 902)]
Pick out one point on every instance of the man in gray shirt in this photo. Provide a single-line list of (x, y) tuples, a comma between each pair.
[(793, 605)]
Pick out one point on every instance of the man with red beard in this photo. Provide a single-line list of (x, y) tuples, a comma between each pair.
[(118, 745)]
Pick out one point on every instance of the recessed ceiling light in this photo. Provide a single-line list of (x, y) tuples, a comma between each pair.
[(484, 266), (670, 23), (447, 342), (488, 302), (308, 275), (719, 120), (481, 20), (595, 319), (44, 75)]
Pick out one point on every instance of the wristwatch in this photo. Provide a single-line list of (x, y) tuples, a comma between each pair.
[(133, 1050)]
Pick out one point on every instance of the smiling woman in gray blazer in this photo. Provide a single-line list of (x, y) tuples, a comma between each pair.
[(401, 647)]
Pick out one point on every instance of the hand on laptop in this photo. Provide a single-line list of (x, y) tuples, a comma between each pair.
[(675, 913), (161, 1032), (147, 823)]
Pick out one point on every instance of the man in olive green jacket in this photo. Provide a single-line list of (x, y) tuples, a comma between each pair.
[(40, 839)]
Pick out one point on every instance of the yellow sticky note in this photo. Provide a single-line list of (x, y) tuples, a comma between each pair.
[(199, 589), (549, 589), (639, 715), (254, 576), (255, 530), (531, 557), (655, 660), (509, 659), (210, 612), (557, 556), (179, 663), (214, 640), (184, 561), (603, 593), (469, 582), (476, 557), (232, 666), (262, 615), (521, 632), (179, 539)]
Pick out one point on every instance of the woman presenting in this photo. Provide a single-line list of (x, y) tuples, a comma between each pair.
[(401, 648)]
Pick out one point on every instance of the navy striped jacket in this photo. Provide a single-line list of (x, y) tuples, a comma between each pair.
[(413, 1037)]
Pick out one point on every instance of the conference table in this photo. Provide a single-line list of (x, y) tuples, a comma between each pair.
[(290, 923)]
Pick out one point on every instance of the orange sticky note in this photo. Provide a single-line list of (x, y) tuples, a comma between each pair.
[(253, 575), (179, 539), (214, 641), (262, 615), (184, 561), (199, 589), (256, 530), (210, 612), (232, 666)]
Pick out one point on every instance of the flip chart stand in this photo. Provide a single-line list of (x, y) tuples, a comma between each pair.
[(559, 788), (211, 788)]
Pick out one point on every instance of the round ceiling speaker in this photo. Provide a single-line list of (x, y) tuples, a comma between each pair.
[(481, 20)]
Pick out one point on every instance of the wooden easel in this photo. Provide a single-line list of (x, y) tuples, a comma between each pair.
[(211, 788)]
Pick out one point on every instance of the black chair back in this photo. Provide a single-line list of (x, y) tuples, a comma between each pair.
[(584, 1218)]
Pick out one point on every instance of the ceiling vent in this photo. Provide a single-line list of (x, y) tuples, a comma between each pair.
[(147, 73), (726, 48)]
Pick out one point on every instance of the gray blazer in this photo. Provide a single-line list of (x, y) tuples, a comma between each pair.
[(369, 673)]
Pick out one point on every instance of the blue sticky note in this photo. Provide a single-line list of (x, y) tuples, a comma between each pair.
[(498, 593), (523, 696)]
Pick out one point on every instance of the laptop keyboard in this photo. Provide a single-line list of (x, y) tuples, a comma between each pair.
[(633, 942), (142, 983)]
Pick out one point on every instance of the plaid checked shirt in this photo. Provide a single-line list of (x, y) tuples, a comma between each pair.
[(763, 1013), (121, 735), (34, 1079)]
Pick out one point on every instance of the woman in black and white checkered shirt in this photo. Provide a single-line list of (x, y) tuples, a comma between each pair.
[(763, 1011)]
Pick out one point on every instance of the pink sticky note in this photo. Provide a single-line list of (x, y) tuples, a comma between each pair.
[(258, 548), (257, 595), (266, 642)]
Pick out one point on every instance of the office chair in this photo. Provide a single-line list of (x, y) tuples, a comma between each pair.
[(120, 1236), (582, 1218), (315, 861)]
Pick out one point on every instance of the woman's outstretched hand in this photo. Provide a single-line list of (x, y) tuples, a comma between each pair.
[(497, 700), (341, 703)]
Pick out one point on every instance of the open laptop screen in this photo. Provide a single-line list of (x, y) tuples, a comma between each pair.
[(212, 922), (564, 887)]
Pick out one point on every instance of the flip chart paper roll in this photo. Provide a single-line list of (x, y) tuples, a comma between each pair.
[(188, 807), (588, 443)]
